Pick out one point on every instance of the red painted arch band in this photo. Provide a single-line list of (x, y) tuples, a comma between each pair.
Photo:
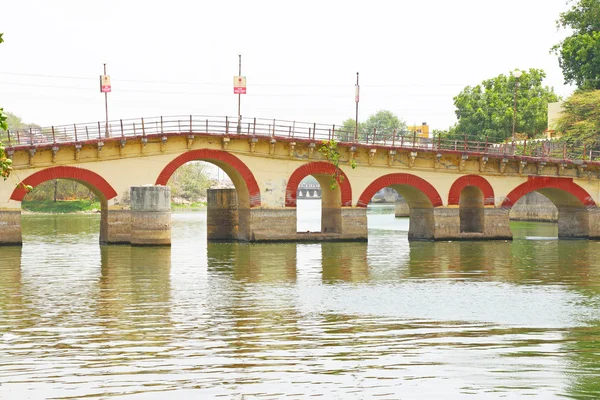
[(79, 174), (400, 179), (471, 180), (217, 155), (317, 167), (541, 182)]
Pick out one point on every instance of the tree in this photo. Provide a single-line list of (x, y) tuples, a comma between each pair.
[(579, 53), (5, 162), (487, 110), (579, 121), (383, 122), (190, 181)]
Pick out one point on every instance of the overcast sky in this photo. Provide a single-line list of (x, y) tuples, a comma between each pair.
[(300, 58)]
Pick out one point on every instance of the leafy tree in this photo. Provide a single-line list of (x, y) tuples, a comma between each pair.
[(579, 53), (383, 122), (579, 122), (190, 181), (487, 110), (5, 162)]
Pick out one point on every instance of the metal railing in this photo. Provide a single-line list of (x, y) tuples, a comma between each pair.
[(284, 129)]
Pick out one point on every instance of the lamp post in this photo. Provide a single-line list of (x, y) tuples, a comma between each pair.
[(517, 74), (356, 98)]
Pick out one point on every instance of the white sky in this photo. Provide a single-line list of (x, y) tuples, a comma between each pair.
[(300, 58)]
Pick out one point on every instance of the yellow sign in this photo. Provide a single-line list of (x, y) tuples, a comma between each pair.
[(239, 84), (105, 83)]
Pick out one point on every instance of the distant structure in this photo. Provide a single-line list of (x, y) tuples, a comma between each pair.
[(554, 110), (421, 130)]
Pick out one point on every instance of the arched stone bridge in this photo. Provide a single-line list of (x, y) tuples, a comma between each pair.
[(456, 191)]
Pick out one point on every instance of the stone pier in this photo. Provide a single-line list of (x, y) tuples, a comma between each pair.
[(150, 216), (222, 216), (10, 227)]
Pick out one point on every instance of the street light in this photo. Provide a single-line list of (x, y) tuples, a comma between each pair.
[(517, 74)]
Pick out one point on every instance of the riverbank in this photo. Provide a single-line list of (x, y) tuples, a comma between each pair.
[(87, 206)]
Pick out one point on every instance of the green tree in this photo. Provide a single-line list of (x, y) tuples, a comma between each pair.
[(5, 162), (190, 181), (579, 53), (383, 123), (487, 110), (579, 121)]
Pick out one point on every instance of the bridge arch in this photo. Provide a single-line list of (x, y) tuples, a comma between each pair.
[(561, 191), (241, 176), (471, 180), (416, 191), (320, 170), (90, 179), (572, 201)]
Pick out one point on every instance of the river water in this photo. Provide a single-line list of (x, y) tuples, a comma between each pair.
[(386, 319)]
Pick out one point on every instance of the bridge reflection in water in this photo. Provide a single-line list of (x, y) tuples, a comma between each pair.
[(347, 320)]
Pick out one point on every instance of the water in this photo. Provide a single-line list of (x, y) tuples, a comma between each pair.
[(388, 319)]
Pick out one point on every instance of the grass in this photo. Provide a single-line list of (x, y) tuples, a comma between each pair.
[(73, 206), (199, 205), (61, 206)]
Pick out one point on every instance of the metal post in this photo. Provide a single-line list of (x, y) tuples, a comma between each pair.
[(99, 132), (356, 98), (75, 129), (239, 125), (30, 136), (106, 105), (517, 75), (8, 133), (122, 133)]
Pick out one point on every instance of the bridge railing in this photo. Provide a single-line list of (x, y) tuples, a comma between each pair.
[(261, 127)]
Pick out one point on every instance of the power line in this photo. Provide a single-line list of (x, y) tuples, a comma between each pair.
[(226, 84)]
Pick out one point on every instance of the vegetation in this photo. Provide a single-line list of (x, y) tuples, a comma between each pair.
[(5, 162), (329, 148), (61, 206), (579, 53), (487, 110), (382, 122), (190, 182), (579, 122)]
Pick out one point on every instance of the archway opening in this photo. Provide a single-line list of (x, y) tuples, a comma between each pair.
[(313, 215), (309, 205), (571, 212), (471, 210), (229, 207), (57, 208)]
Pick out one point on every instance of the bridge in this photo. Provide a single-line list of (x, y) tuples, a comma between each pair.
[(456, 189)]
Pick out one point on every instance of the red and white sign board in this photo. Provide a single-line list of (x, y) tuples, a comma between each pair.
[(239, 85), (105, 83)]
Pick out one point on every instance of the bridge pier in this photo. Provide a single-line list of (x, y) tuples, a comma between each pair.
[(448, 223), (222, 217), (115, 226), (573, 222), (10, 227), (150, 215)]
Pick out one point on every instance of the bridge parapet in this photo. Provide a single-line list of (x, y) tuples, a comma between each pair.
[(534, 150)]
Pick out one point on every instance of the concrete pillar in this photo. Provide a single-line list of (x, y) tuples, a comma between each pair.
[(354, 223), (150, 215), (402, 208), (573, 222), (594, 222), (264, 224), (222, 215), (10, 227), (331, 220), (115, 226), (444, 223), (421, 224)]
